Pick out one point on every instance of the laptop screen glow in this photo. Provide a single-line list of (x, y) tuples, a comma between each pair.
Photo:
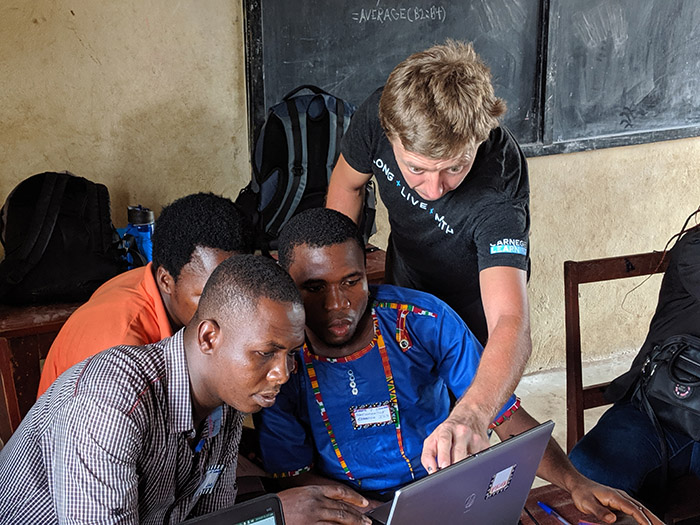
[(267, 519)]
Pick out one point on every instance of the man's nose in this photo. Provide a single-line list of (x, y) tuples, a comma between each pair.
[(336, 299), (432, 185), (279, 373)]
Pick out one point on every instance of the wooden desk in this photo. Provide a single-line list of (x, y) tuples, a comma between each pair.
[(26, 334), (376, 259)]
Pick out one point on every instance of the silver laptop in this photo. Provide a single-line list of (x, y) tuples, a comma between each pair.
[(488, 487), (265, 510)]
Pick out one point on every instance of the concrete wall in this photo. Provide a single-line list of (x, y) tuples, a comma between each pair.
[(598, 204), (148, 97)]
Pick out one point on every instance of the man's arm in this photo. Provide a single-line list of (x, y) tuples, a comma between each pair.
[(93, 468), (504, 297), (506, 307), (588, 496), (346, 189)]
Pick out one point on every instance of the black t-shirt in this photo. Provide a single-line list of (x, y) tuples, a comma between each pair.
[(441, 246), (678, 310)]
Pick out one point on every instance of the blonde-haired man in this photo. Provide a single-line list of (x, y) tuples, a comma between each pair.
[(455, 185)]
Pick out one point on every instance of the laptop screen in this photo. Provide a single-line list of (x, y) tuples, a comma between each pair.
[(265, 510), (488, 487), (266, 519)]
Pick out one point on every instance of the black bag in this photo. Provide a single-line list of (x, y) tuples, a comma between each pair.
[(295, 153), (59, 241), (668, 389), (670, 384)]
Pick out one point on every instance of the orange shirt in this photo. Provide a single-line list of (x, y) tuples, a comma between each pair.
[(126, 310)]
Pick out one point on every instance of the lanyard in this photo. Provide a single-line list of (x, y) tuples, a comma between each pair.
[(322, 408), (392, 391), (308, 362), (402, 336)]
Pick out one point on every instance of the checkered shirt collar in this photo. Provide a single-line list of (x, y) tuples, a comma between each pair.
[(179, 400)]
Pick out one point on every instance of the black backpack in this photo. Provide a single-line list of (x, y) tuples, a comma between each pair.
[(59, 241), (295, 153)]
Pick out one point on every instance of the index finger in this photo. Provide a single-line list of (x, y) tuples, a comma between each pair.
[(343, 493), (445, 442), (460, 445), (427, 457)]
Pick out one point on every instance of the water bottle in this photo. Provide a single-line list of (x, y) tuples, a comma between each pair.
[(140, 225)]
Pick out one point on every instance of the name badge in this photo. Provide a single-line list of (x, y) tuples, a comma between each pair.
[(210, 479), (374, 415)]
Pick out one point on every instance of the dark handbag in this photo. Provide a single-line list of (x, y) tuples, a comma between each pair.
[(668, 389)]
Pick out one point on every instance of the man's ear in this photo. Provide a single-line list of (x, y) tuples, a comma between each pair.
[(208, 336), (165, 281)]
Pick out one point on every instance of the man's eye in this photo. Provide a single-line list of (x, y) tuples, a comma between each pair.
[(313, 289), (266, 355), (454, 170), (352, 282), (414, 170)]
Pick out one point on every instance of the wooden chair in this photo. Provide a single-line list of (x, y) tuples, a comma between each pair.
[(682, 505), (578, 397)]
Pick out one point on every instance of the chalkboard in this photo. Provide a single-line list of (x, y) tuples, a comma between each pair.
[(349, 48), (622, 72), (576, 74)]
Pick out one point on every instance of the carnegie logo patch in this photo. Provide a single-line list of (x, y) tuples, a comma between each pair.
[(510, 246)]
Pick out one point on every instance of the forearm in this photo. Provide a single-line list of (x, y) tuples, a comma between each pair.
[(464, 432), (346, 190), (344, 200), (555, 466), (500, 369)]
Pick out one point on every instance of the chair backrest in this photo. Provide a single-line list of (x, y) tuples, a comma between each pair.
[(578, 397)]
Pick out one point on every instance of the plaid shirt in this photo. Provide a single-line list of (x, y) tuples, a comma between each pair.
[(108, 443)]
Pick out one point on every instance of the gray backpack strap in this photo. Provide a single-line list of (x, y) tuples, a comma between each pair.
[(295, 128)]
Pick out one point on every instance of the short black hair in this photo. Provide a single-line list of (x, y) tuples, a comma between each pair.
[(200, 219), (237, 284), (316, 227)]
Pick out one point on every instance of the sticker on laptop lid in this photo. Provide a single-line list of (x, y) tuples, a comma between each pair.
[(500, 481)]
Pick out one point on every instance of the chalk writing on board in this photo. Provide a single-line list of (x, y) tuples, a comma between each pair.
[(629, 114), (395, 14)]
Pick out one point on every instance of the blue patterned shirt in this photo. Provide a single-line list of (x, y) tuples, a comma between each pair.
[(378, 405)]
